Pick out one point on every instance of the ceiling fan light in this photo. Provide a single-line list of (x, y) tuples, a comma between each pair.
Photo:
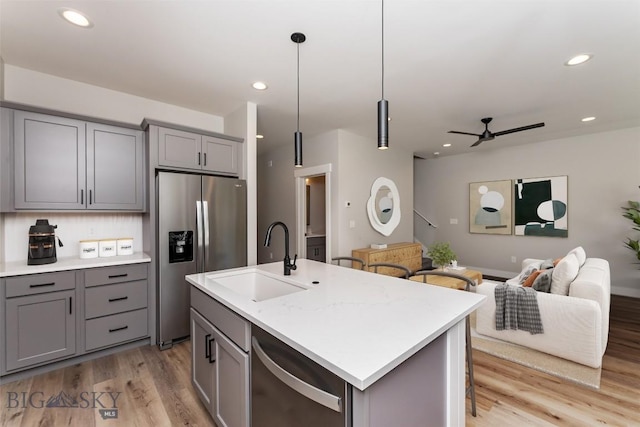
[(578, 59)]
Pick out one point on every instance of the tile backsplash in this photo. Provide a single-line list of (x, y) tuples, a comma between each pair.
[(72, 227)]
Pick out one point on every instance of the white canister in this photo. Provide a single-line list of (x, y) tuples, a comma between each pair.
[(107, 248), (88, 249), (125, 246)]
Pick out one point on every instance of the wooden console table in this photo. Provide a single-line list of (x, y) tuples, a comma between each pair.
[(406, 254), (450, 282)]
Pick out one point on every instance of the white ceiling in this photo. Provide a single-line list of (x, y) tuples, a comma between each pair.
[(447, 63)]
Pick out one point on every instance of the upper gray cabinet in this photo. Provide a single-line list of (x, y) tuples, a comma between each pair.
[(115, 176), (188, 150), (62, 163)]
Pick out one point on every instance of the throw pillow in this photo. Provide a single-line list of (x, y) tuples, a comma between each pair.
[(580, 254), (556, 261), (563, 274), (528, 271), (546, 264), (529, 281), (543, 281)]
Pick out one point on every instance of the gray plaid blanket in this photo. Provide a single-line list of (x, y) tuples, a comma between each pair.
[(517, 308)]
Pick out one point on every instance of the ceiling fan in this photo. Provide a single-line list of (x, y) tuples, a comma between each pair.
[(487, 135)]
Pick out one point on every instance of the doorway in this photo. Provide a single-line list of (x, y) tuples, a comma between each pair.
[(313, 212)]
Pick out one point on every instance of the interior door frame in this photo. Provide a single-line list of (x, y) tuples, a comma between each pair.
[(301, 219)]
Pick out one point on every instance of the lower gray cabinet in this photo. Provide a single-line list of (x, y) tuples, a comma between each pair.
[(220, 367), (40, 328)]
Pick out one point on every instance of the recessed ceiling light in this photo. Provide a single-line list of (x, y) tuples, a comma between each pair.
[(588, 119), (436, 153), (258, 136), (75, 17), (446, 145), (259, 85), (579, 59)]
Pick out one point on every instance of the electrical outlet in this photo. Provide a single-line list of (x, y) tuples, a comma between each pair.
[(513, 259)]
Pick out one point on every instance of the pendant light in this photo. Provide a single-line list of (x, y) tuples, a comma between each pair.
[(298, 38), (383, 104)]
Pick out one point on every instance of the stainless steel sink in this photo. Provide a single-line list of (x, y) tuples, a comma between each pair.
[(256, 285)]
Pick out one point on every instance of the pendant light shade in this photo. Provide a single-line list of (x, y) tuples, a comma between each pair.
[(297, 137), (383, 104)]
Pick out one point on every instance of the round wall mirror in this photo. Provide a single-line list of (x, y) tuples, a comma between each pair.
[(383, 206)]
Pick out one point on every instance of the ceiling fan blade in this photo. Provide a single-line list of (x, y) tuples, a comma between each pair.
[(464, 133), (505, 132), (478, 142)]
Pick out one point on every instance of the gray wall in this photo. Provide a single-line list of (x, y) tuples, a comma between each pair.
[(356, 163), (603, 172)]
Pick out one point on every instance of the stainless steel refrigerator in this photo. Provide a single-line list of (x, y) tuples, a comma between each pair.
[(202, 226)]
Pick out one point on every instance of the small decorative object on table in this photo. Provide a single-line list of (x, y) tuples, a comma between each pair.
[(441, 254)]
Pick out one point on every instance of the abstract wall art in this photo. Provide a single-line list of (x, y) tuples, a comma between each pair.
[(490, 207), (540, 206)]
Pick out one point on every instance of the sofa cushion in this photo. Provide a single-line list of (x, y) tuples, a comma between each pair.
[(580, 254), (564, 273)]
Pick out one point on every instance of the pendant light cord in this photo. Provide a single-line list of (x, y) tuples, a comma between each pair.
[(298, 72), (382, 50)]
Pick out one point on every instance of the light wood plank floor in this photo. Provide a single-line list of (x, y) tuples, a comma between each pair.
[(156, 390)]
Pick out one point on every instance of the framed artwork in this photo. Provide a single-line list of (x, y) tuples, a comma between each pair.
[(490, 207), (540, 206)]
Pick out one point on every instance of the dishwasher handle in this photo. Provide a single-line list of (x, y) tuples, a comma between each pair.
[(311, 392)]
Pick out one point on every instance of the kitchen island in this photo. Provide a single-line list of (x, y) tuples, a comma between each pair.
[(399, 345)]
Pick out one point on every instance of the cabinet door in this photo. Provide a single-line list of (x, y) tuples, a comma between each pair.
[(49, 162), (220, 155), (179, 149), (231, 403), (115, 166), (202, 360), (40, 328)]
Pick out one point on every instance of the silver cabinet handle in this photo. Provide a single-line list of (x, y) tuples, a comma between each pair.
[(311, 392)]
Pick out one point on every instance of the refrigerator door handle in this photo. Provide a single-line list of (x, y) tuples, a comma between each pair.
[(199, 230), (205, 217)]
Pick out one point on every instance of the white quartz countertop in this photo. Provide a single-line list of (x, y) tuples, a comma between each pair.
[(357, 324), (21, 268)]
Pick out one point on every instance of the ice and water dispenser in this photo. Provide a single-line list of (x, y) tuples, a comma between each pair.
[(180, 246)]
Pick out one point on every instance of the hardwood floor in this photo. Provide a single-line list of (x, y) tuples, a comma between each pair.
[(155, 390)]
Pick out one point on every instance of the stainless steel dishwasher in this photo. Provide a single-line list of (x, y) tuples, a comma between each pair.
[(290, 390)]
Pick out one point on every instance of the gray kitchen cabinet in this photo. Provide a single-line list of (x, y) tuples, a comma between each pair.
[(189, 150), (115, 168), (49, 161), (220, 360), (40, 319), (203, 368), (115, 305), (316, 248), (68, 164)]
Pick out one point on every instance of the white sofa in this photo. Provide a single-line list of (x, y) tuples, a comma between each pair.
[(576, 326)]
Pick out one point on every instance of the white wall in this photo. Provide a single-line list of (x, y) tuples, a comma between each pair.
[(603, 172), (43, 90), (356, 163)]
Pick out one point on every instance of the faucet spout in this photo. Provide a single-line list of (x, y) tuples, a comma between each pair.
[(288, 265)]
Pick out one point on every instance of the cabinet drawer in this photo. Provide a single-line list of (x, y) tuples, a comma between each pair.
[(233, 326), (112, 299), (40, 283), (110, 330), (116, 274)]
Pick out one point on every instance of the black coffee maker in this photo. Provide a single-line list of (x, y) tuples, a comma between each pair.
[(42, 243)]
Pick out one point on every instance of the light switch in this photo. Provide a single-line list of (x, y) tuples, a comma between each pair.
[(453, 220), (352, 223)]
